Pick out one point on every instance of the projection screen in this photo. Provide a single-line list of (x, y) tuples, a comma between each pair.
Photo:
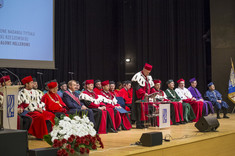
[(27, 34)]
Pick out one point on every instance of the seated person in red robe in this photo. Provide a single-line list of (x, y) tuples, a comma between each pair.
[(126, 93), (71, 99), (176, 108), (112, 88), (98, 87), (111, 105), (30, 100), (186, 96), (93, 101), (53, 101)]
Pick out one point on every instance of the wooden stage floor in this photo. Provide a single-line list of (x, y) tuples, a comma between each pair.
[(186, 141)]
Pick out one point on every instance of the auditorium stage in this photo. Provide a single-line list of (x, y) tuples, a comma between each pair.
[(187, 141)]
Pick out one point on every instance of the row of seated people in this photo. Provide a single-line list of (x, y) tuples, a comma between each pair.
[(37, 111), (186, 105)]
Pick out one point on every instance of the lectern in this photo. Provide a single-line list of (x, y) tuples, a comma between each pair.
[(8, 108)]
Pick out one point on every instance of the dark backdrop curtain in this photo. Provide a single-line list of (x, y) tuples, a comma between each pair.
[(93, 38), (169, 35)]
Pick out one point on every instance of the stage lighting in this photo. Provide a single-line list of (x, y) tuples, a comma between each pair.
[(128, 60)]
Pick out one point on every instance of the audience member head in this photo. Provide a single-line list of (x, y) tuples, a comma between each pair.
[(5, 80), (89, 85), (84, 85), (72, 85), (35, 83), (98, 84), (105, 85), (78, 85), (119, 85), (28, 82), (147, 69), (193, 82), (170, 83), (111, 86), (211, 86), (157, 84), (63, 86), (127, 85), (53, 87), (181, 83)]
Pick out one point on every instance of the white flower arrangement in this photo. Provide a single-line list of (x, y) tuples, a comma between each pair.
[(73, 134), (76, 126)]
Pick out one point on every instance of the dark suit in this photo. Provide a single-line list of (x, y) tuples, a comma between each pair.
[(74, 107)]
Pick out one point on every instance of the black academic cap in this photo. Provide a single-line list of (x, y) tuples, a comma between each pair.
[(169, 81)]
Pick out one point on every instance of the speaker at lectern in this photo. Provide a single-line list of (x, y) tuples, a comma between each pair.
[(8, 106)]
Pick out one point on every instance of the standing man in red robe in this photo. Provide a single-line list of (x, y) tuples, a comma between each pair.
[(111, 104), (30, 100), (142, 86)]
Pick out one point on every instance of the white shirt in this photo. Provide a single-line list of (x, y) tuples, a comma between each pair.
[(183, 93), (161, 97)]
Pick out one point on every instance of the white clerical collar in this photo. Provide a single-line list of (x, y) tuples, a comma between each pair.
[(70, 91), (181, 88)]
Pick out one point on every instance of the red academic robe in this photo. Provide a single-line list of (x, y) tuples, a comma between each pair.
[(54, 103), (93, 105), (197, 107), (38, 127), (115, 93), (119, 117), (140, 93), (126, 94), (97, 91), (178, 107)]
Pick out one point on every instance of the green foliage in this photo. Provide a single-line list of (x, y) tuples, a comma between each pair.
[(48, 138)]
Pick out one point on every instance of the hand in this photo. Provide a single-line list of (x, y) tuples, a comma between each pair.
[(201, 100), (84, 107), (180, 101), (40, 110), (146, 94), (219, 101), (118, 107), (102, 108), (193, 99), (20, 110)]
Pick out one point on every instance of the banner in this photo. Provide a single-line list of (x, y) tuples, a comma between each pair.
[(231, 86)]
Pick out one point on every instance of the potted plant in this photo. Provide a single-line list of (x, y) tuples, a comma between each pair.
[(73, 135)]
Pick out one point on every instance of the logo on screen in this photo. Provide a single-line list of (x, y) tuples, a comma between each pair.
[(1, 3), (164, 116), (10, 105)]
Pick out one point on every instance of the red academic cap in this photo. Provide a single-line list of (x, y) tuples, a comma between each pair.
[(27, 80), (148, 67), (157, 81), (89, 82), (52, 85), (5, 78), (180, 80), (104, 83)]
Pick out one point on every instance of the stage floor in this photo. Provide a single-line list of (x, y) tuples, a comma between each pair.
[(186, 140)]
